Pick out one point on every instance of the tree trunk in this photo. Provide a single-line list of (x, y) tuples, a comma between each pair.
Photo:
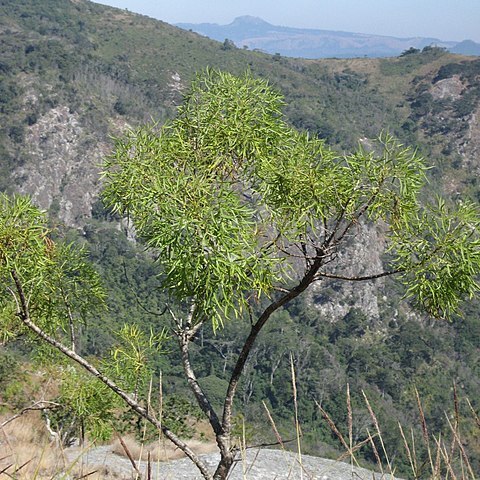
[(224, 466)]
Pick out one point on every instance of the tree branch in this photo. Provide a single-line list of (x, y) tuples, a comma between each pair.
[(205, 405), (357, 279), (307, 280), (185, 334), (224, 440), (40, 405)]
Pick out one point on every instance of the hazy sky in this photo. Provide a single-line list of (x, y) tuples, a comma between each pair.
[(442, 19)]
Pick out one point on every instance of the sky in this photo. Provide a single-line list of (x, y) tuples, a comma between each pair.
[(453, 20)]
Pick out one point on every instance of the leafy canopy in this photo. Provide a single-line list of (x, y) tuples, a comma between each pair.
[(438, 252), (225, 192), (58, 277)]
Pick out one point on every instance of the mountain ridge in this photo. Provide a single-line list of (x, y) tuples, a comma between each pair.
[(256, 33)]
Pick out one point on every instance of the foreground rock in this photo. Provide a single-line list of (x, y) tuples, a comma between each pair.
[(258, 465)]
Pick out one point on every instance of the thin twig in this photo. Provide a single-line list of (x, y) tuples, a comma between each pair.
[(39, 405), (87, 474), (377, 427), (407, 448), (424, 428), (129, 455), (461, 447), (332, 426), (4, 471), (274, 427), (375, 452), (474, 413), (445, 457)]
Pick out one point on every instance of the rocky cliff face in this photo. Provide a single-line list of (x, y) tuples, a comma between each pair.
[(62, 174), (62, 153), (335, 299), (468, 145), (465, 138)]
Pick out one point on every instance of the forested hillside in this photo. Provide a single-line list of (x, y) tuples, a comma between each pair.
[(74, 73)]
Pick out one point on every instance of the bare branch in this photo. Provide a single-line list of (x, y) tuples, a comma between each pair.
[(129, 455), (359, 278), (39, 405), (304, 283), (273, 444), (178, 321), (205, 405)]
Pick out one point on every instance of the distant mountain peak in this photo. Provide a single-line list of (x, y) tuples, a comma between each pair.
[(249, 20)]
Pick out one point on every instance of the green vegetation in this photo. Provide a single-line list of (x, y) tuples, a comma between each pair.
[(243, 214), (411, 60)]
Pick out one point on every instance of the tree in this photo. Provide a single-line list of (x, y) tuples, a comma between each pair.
[(228, 44), (244, 214), (410, 51)]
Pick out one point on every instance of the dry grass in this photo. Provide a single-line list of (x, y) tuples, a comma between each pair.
[(446, 456), (27, 453), (26, 450)]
